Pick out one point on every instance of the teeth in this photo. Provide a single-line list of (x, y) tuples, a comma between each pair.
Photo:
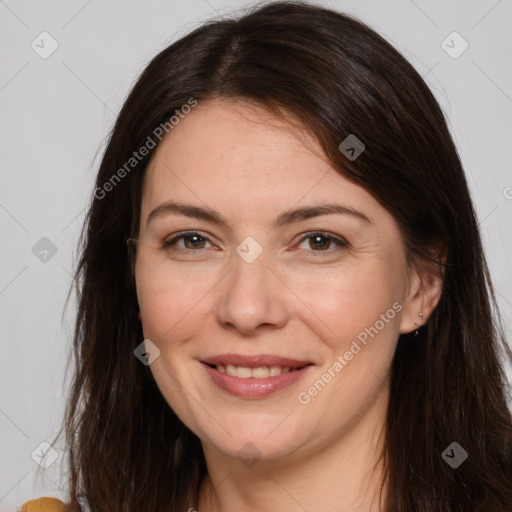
[(274, 370), (243, 372), (262, 372), (231, 370)]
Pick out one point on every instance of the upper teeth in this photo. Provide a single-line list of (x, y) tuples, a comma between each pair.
[(243, 372)]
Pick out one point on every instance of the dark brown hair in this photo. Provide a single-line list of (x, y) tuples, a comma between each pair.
[(128, 451)]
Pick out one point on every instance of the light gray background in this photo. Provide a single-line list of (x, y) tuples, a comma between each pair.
[(56, 113)]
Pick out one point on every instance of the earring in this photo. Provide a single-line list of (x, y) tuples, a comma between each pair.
[(417, 331), (130, 241)]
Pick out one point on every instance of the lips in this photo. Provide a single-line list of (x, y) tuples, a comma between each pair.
[(254, 377)]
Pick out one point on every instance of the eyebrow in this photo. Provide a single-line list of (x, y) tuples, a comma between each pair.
[(285, 218)]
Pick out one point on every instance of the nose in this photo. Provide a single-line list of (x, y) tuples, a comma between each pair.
[(253, 298)]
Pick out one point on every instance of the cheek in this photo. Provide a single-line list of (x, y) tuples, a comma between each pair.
[(169, 300), (356, 316), (344, 302)]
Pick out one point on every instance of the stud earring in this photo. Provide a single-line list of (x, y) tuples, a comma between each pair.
[(417, 331)]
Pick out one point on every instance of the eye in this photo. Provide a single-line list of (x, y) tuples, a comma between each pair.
[(192, 241), (319, 242), (322, 242)]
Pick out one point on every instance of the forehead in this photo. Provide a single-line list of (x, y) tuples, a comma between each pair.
[(238, 156), (238, 137)]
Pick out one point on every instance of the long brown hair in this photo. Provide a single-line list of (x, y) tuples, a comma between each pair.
[(127, 449)]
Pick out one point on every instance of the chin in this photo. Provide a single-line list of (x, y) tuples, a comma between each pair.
[(253, 439)]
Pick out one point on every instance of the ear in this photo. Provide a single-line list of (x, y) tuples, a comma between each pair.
[(424, 291)]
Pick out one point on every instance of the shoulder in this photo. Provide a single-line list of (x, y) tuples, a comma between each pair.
[(43, 505)]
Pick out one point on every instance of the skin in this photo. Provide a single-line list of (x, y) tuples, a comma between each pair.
[(298, 299)]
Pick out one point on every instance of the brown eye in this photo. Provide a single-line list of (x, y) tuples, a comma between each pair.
[(322, 242), (191, 241), (319, 242), (194, 242)]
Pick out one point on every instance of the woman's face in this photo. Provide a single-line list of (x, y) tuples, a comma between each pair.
[(266, 282)]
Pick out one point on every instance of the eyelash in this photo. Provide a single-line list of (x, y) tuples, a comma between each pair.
[(338, 241)]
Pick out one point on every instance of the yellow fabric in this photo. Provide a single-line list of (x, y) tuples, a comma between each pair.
[(43, 505)]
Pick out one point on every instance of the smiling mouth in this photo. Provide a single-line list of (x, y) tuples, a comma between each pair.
[(260, 372), (255, 377)]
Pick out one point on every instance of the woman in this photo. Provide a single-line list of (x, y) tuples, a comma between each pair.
[(281, 215)]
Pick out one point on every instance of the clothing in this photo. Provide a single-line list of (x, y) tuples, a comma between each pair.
[(43, 505)]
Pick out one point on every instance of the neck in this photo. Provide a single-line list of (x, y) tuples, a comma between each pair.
[(344, 475)]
